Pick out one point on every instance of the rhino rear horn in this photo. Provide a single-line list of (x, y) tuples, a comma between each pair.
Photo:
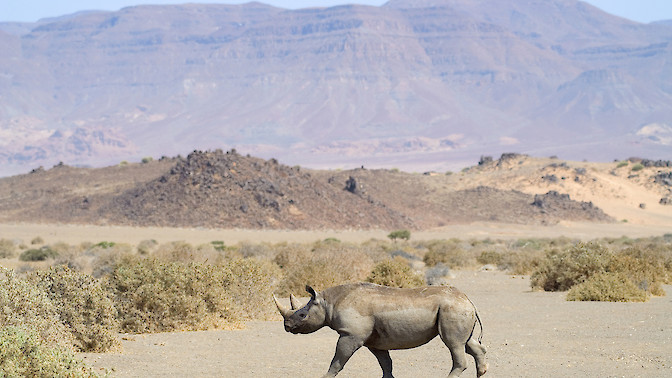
[(295, 302)]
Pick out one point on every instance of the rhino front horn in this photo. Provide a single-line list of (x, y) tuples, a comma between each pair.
[(284, 311)]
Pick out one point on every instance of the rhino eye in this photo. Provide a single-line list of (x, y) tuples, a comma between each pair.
[(302, 315)]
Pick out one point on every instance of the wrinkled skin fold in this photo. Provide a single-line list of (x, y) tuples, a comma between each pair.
[(383, 318)]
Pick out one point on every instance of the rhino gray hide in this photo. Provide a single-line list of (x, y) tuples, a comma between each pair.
[(384, 318)]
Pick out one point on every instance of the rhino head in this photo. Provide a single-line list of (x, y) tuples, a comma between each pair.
[(304, 319)]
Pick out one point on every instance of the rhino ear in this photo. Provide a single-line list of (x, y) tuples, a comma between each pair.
[(311, 291)]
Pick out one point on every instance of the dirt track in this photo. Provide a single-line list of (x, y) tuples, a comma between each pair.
[(528, 334)]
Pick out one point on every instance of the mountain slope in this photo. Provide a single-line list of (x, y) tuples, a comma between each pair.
[(414, 83)]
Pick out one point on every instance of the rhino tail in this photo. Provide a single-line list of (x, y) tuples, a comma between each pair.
[(478, 320), (480, 324)]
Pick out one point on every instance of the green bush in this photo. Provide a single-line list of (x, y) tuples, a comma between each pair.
[(40, 254), (23, 353), (637, 167), (396, 273), (105, 244), (218, 245), (400, 234), (84, 305), (608, 287), (7, 249), (562, 270)]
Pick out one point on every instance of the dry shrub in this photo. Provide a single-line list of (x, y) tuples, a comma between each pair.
[(40, 254), (490, 257), (72, 256), (7, 249), (259, 250), (319, 274), (23, 353), (181, 251), (449, 252), (645, 267), (396, 273), (252, 284), (178, 251), (156, 296), (84, 306), (323, 264), (520, 261), (637, 270), (438, 275), (145, 247), (23, 304), (102, 261), (608, 287), (562, 270)]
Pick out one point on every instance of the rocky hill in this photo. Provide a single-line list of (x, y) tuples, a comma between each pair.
[(413, 83), (218, 189)]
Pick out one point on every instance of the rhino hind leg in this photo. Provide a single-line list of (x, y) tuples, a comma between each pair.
[(459, 359), (477, 350), (455, 329), (383, 357)]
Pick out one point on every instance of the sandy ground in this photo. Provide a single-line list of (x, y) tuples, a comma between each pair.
[(528, 334), (74, 234)]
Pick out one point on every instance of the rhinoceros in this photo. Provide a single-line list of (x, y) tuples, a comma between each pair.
[(384, 318)]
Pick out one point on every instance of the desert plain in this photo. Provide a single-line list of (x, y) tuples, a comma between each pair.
[(527, 333)]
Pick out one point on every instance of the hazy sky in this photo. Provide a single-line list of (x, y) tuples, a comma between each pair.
[(32, 10)]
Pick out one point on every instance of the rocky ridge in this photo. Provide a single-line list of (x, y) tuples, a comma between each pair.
[(216, 189)]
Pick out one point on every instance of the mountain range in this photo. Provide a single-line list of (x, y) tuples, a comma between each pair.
[(413, 84)]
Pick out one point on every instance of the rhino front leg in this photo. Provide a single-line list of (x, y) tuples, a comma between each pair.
[(345, 348), (383, 357)]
